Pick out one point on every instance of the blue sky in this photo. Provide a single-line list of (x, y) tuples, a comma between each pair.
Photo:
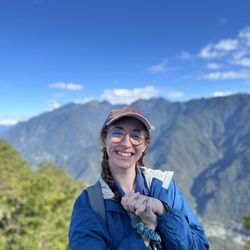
[(58, 51)]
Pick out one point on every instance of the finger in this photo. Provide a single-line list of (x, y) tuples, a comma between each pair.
[(124, 204), (132, 200), (132, 195), (141, 200), (129, 196), (150, 204), (141, 210), (129, 201)]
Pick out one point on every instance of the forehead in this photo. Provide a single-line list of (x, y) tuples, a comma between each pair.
[(128, 123)]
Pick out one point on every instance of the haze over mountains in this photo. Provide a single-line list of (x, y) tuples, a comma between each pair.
[(205, 141), (4, 128)]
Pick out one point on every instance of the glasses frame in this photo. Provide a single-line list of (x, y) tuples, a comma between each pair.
[(133, 141)]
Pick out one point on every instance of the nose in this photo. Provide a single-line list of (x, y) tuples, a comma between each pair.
[(126, 141)]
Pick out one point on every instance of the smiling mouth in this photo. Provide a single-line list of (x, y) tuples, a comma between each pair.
[(124, 154)]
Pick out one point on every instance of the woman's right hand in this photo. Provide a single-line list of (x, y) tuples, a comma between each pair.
[(143, 206)]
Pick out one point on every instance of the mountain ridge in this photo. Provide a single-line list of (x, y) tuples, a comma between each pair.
[(205, 141)]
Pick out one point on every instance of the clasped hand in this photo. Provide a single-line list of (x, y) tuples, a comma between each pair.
[(143, 206)]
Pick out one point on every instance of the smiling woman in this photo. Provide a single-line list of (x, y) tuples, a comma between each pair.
[(125, 145), (144, 209)]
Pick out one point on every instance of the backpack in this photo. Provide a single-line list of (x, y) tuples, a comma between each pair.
[(96, 200)]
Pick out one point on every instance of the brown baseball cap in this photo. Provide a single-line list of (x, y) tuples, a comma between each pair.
[(116, 114)]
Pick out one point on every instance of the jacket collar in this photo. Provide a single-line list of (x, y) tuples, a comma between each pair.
[(144, 177), (140, 184)]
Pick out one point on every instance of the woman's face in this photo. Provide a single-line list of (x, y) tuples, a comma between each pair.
[(120, 143)]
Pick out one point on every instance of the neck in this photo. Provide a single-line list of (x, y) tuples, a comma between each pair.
[(126, 179)]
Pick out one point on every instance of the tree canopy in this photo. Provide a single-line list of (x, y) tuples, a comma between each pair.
[(35, 206), (246, 220)]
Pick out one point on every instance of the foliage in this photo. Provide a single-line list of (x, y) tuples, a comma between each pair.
[(35, 207), (246, 220), (217, 243)]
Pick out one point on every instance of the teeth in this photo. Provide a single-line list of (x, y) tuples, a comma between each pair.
[(124, 154)]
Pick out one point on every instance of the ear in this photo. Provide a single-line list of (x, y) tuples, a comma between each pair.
[(145, 148)]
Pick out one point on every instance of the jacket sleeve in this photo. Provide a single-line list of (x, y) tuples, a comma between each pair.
[(179, 227), (87, 231)]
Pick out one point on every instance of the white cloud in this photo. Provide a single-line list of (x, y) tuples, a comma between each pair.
[(222, 93), (173, 94), (218, 50), (67, 86), (9, 121), (53, 104), (244, 35), (158, 68), (127, 96), (244, 61), (226, 75), (213, 66), (210, 53), (241, 57), (227, 45), (232, 54)]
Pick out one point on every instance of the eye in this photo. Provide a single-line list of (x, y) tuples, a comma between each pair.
[(137, 135), (117, 132)]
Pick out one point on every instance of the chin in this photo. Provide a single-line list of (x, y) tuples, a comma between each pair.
[(125, 166)]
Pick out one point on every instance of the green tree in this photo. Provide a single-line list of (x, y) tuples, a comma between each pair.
[(246, 221), (35, 206)]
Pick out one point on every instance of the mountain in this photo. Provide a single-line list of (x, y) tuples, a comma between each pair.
[(205, 141), (4, 128)]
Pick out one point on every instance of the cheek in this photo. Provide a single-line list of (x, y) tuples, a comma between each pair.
[(108, 145), (139, 151)]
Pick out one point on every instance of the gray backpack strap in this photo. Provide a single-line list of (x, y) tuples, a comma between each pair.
[(96, 200)]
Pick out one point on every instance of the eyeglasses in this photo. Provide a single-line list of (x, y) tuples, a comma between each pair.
[(136, 137)]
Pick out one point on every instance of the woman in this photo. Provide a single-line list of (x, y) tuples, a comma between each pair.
[(144, 207)]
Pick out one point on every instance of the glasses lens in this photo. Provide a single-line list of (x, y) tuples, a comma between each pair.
[(117, 135), (136, 137)]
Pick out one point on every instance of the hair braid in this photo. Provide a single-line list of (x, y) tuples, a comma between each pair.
[(140, 161), (107, 175)]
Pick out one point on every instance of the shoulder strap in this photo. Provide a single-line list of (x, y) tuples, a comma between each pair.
[(96, 200)]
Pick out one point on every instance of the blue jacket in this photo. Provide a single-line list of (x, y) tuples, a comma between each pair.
[(178, 228)]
